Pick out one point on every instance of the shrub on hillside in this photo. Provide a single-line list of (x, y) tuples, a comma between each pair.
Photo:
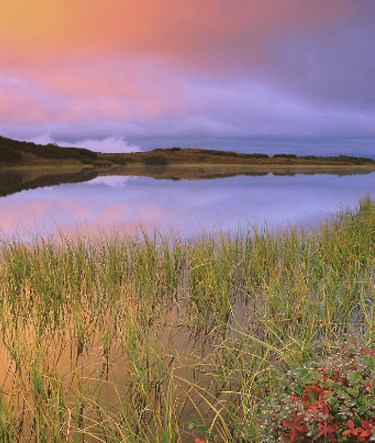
[(118, 159), (219, 153), (285, 156), (309, 157), (9, 155), (255, 155), (155, 160)]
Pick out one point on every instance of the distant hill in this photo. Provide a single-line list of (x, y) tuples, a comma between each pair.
[(20, 152), (211, 156)]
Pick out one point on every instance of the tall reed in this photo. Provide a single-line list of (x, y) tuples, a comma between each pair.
[(154, 339)]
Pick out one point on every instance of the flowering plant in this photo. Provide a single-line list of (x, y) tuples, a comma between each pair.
[(327, 401)]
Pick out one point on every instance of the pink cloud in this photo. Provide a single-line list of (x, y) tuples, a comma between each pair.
[(138, 67), (207, 33), (92, 89)]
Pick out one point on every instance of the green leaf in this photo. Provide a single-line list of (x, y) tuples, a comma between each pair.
[(354, 377)]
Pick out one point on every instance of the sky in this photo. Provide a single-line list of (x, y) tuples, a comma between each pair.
[(121, 75)]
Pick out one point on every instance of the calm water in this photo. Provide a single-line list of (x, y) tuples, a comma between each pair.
[(184, 206)]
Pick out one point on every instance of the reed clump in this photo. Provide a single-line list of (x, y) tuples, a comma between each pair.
[(166, 339)]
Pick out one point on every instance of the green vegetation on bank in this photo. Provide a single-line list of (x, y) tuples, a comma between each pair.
[(201, 156), (13, 153), (155, 160), (137, 338)]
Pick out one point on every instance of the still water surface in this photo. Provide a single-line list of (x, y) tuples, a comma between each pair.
[(184, 206), (91, 355)]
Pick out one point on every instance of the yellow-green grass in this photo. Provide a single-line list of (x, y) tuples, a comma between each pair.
[(129, 339), (177, 156)]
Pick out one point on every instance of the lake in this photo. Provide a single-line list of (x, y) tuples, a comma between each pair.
[(184, 206), (159, 339)]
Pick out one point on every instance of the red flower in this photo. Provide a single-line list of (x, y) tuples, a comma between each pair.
[(295, 428), (198, 440), (327, 431)]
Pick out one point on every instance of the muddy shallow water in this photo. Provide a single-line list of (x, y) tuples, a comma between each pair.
[(97, 372)]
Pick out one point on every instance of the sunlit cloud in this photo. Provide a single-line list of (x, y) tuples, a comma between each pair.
[(206, 33), (109, 144)]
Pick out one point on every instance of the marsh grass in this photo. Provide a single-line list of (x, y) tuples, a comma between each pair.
[(155, 339)]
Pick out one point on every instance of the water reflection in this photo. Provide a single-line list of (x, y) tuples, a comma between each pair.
[(13, 181), (185, 206), (16, 181)]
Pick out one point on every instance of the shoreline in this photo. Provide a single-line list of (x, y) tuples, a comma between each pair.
[(18, 177)]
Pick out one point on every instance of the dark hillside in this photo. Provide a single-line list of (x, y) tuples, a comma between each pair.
[(12, 151), (22, 153)]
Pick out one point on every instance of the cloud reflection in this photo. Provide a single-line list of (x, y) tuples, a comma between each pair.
[(184, 206), (110, 180)]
